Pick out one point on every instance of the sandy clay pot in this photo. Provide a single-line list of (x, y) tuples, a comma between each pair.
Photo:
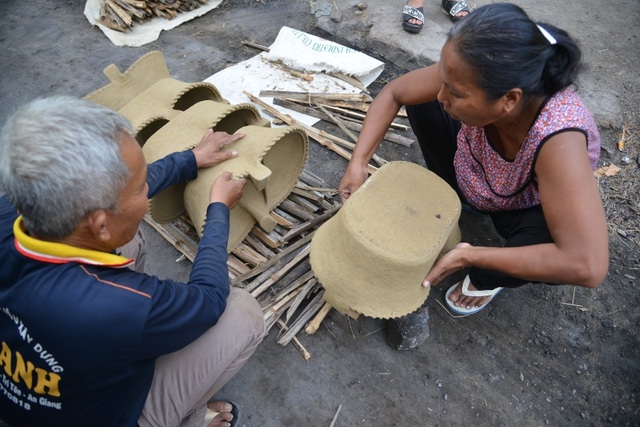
[(271, 160), (169, 116), (372, 256)]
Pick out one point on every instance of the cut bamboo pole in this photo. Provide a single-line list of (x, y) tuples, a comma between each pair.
[(272, 302), (360, 116), (257, 46), (314, 96), (270, 239), (271, 280), (275, 260), (351, 125), (304, 317), (300, 297), (310, 224), (311, 179), (297, 344), (314, 324), (353, 81), (313, 133), (296, 210), (172, 237)]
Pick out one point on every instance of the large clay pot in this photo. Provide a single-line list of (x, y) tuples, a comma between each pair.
[(185, 132), (372, 256), (271, 160)]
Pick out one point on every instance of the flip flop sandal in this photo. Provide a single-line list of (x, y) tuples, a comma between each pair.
[(235, 411), (453, 7), (465, 291), (412, 13)]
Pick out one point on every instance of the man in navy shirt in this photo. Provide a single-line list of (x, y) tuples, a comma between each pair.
[(85, 339)]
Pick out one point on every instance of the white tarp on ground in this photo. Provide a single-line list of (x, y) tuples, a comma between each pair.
[(141, 34), (302, 52)]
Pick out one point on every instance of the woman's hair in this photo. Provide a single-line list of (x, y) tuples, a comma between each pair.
[(508, 50), (59, 160)]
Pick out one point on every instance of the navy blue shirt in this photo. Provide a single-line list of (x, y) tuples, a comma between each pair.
[(80, 331)]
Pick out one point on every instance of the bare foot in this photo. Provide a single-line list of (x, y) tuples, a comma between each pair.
[(224, 416), (463, 301)]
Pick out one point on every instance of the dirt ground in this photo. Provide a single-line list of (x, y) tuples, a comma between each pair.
[(538, 355)]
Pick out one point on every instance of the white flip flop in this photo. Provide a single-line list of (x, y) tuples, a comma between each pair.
[(465, 291)]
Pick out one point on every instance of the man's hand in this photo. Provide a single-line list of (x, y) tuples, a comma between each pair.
[(209, 151), (227, 190)]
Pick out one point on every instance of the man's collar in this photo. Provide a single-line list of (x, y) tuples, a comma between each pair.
[(59, 253)]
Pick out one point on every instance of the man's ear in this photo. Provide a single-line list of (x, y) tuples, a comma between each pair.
[(97, 224), (511, 99)]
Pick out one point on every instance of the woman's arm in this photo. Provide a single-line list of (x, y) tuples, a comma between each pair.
[(416, 87), (574, 213)]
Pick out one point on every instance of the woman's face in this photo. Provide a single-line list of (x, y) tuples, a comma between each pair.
[(460, 96)]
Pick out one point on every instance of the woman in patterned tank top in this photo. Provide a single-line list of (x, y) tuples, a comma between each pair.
[(497, 119)]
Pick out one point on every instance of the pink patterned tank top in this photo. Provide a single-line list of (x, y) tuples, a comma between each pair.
[(491, 183)]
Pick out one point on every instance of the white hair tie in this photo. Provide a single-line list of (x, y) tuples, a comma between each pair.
[(552, 40)]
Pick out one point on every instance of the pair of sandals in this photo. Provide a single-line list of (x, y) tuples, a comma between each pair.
[(451, 7)]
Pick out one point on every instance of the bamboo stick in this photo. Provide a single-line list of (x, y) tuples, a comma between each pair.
[(297, 344), (300, 297), (314, 96), (311, 223), (353, 81), (289, 206), (267, 238), (360, 116), (351, 125), (276, 259), (311, 179), (315, 323), (287, 290), (306, 314), (271, 280), (257, 46)]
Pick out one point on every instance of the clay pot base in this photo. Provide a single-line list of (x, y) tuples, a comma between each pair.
[(271, 159), (169, 116), (372, 256)]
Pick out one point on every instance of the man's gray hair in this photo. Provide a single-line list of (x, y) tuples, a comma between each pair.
[(60, 160)]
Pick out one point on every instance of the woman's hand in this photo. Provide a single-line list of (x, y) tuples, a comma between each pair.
[(209, 151), (451, 262), (353, 178)]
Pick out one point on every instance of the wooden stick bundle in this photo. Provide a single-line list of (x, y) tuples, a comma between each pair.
[(120, 15)]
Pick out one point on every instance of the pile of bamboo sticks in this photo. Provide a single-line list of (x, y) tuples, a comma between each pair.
[(274, 267), (120, 15)]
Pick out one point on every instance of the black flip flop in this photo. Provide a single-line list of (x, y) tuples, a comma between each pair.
[(453, 7), (412, 13), (235, 411)]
